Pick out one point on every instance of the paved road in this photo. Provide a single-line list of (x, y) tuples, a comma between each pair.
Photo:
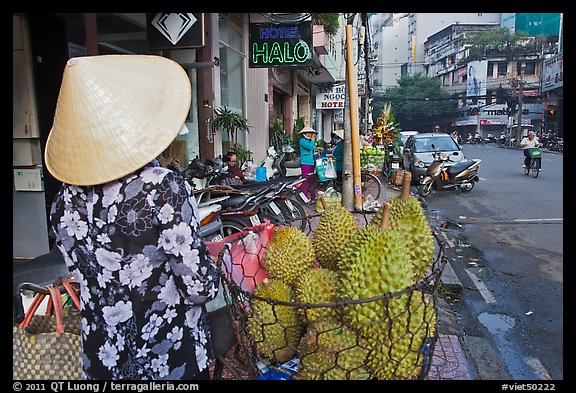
[(508, 253)]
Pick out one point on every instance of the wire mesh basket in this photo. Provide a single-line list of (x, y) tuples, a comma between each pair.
[(388, 336)]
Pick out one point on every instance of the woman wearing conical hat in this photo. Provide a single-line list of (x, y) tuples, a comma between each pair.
[(128, 228), (307, 163)]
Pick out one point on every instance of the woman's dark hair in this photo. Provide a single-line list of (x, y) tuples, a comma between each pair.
[(228, 156)]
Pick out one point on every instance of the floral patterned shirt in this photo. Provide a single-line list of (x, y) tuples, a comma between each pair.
[(134, 246)]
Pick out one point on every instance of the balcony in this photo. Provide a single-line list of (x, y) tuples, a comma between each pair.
[(320, 40)]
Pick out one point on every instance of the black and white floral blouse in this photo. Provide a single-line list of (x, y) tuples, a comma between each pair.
[(134, 245)]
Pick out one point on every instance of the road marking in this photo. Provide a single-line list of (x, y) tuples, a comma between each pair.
[(484, 291), (449, 243), (538, 368), (538, 219), (475, 220)]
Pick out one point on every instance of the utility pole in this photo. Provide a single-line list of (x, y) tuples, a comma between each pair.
[(352, 85), (520, 96), (366, 70)]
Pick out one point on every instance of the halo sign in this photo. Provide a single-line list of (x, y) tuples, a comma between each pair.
[(280, 45)]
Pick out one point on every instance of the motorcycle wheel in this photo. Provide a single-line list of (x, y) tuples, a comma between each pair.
[(231, 226), (265, 212), (425, 189), (468, 187), (295, 214)]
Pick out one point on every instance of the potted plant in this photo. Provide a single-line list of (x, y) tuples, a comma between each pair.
[(231, 122)]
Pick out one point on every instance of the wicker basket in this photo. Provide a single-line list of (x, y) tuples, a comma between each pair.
[(367, 349)]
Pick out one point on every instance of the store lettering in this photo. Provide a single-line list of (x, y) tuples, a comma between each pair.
[(279, 32), (329, 105), (287, 53)]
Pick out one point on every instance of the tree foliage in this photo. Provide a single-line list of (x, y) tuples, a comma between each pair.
[(418, 102), (329, 20)]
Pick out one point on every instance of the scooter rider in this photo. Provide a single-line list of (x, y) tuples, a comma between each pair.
[(526, 143)]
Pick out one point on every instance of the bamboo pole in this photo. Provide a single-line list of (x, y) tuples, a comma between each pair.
[(355, 135), (385, 222), (406, 180)]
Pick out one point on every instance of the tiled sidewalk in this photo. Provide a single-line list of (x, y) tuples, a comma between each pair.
[(449, 361)]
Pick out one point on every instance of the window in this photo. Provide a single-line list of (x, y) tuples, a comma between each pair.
[(530, 68), (231, 69), (502, 69)]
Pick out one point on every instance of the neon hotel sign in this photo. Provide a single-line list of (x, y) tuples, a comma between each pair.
[(280, 45)]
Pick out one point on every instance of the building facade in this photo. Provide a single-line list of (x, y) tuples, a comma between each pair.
[(216, 57)]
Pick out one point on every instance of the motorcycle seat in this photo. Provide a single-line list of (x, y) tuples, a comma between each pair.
[(291, 164), (458, 167), (235, 200)]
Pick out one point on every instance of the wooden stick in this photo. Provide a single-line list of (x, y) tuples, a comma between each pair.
[(385, 222), (406, 180), (324, 203)]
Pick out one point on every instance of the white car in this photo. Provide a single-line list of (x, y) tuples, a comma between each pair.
[(404, 135)]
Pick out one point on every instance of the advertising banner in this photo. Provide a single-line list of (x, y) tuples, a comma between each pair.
[(552, 73), (476, 81)]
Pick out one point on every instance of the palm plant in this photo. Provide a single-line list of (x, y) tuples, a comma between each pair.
[(231, 122)]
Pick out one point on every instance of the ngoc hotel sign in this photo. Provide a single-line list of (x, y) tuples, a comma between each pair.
[(333, 99)]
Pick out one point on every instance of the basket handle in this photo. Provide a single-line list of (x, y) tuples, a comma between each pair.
[(54, 302), (57, 300), (32, 309)]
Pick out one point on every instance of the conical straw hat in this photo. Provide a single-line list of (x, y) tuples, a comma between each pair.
[(307, 129), (115, 113)]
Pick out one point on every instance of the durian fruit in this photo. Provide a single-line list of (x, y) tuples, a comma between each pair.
[(275, 329), (289, 254), (373, 264), (407, 216), (318, 285), (330, 351), (396, 351), (335, 229)]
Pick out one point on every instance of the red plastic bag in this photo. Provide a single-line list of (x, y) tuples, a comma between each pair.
[(242, 255)]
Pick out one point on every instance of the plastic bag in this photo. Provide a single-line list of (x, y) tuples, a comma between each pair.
[(260, 173), (325, 169), (250, 171), (242, 255)]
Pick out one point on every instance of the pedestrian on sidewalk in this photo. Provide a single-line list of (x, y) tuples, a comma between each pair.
[(307, 162), (127, 227)]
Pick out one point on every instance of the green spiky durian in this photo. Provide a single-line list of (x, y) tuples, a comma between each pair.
[(396, 348), (289, 254), (407, 216), (275, 329), (373, 264), (318, 285), (330, 351), (335, 229)]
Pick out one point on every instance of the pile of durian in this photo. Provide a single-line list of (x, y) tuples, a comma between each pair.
[(336, 330)]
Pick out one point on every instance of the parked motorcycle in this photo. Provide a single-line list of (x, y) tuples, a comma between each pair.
[(502, 138), (490, 139), (555, 144), (287, 164), (268, 163), (474, 139), (443, 175)]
